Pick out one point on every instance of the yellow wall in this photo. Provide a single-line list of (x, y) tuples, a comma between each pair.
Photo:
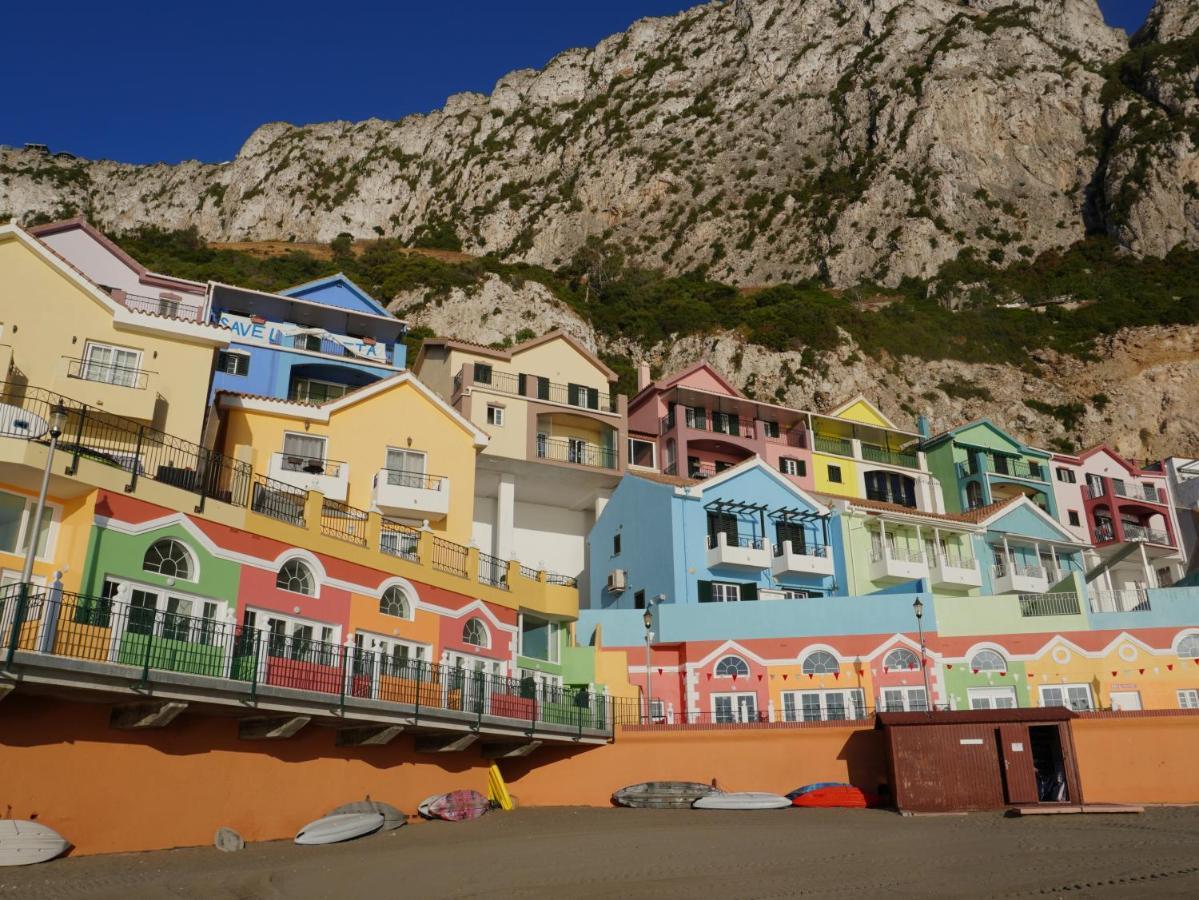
[(360, 433), (849, 474), (72, 520), (49, 318), (862, 412)]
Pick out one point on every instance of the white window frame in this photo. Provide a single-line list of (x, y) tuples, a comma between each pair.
[(909, 699), (234, 354), (554, 638), (852, 705), (345, 389), (385, 645), (743, 707), (730, 592), (543, 680), (495, 415), (470, 662), (197, 606), (324, 441), (1188, 698), (990, 695), (1068, 702), (86, 363), (771, 425), (292, 624), (790, 462), (653, 453), (51, 517)]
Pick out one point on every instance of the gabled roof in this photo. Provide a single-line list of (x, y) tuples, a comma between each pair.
[(340, 279), (143, 274), (1022, 501), (756, 462), (1131, 467), (952, 433), (861, 399), (879, 507), (322, 413), (702, 366), (123, 317), (517, 349)]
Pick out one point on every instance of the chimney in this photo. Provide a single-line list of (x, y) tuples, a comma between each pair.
[(643, 376), (923, 427)]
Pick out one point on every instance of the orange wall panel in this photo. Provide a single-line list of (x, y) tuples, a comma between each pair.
[(1138, 757)]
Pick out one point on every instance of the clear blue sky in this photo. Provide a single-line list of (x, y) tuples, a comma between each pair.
[(143, 82)]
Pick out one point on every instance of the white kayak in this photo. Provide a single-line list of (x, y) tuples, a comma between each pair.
[(742, 800), (343, 827), (23, 842)]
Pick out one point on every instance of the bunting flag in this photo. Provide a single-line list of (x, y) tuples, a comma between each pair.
[(1113, 673), (810, 676), (1002, 674), (784, 676), (837, 675), (975, 671), (709, 676), (949, 665), (759, 677), (1030, 674), (1142, 671), (659, 670), (1170, 667), (860, 673), (885, 669)]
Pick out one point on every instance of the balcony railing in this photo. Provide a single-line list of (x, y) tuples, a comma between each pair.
[(580, 454), (175, 309), (279, 500), (111, 440), (1019, 570), (493, 571), (561, 580), (143, 642), (1003, 466), (343, 522), (449, 557), (801, 550), (834, 445), (710, 422), (899, 554), (890, 457), (1146, 492), (313, 343), (745, 541), (1136, 600), (107, 373), (398, 539), (1142, 533), (1062, 603), (953, 561), (535, 388), (419, 480), (310, 465)]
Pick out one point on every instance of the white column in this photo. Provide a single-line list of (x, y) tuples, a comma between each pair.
[(882, 536), (1149, 574), (920, 544), (1053, 554), (505, 516)]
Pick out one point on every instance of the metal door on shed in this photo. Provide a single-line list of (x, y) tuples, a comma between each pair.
[(1019, 775), (946, 767)]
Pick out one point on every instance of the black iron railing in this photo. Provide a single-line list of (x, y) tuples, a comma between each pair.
[(108, 373), (400, 540), (279, 500), (577, 452), (563, 580), (344, 522), (310, 465), (419, 480), (144, 641), (493, 571), (449, 557)]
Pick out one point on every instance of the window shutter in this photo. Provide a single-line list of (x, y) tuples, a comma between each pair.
[(593, 398), (572, 394), (734, 424), (543, 388), (521, 381), (705, 591)]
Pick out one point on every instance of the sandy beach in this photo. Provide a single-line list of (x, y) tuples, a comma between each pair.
[(574, 852)]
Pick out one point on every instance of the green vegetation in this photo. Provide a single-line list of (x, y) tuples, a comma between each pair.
[(1110, 290), (964, 390)]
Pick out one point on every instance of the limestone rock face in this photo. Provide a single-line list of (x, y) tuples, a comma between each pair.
[(767, 139)]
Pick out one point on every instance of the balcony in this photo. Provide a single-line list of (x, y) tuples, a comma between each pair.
[(1062, 603), (1105, 534), (308, 473), (162, 306), (738, 551), (714, 423), (1136, 600), (535, 387), (1020, 578), (577, 453), (792, 560), (834, 445), (1143, 493), (411, 495), (1003, 466), (889, 564), (954, 571), (902, 458), (119, 390)]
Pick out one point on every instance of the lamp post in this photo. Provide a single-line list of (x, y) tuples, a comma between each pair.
[(648, 620), (58, 419), (918, 609)]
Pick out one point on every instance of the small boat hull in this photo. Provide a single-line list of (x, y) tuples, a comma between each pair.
[(23, 842), (839, 796), (392, 817), (742, 800), (342, 827), (662, 794), (456, 806)]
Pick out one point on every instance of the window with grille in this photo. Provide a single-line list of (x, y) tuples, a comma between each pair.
[(168, 558), (1188, 699), (474, 632), (394, 602), (988, 661), (730, 666), (232, 363), (901, 660), (1072, 696), (296, 577), (820, 662)]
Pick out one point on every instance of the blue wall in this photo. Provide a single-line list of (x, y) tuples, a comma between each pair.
[(337, 290), (270, 371), (642, 512), (1168, 608)]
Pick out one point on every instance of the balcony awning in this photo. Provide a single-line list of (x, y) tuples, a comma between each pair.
[(735, 506), (793, 514)]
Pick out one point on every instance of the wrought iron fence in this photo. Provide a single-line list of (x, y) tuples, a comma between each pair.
[(562, 580), (903, 458), (493, 571), (1062, 603), (418, 480), (344, 522), (145, 640), (745, 541), (108, 373), (176, 309), (143, 452), (579, 453), (309, 465), (400, 540), (835, 445), (279, 500), (449, 557)]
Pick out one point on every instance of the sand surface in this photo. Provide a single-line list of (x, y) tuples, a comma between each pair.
[(570, 853)]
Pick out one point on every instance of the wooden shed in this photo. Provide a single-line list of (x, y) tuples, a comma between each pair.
[(981, 759)]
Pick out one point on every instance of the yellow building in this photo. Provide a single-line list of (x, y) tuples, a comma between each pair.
[(558, 441), (62, 333), (392, 447), (858, 452)]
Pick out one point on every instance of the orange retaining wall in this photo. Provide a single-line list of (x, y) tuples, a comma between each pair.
[(1138, 757), (739, 758)]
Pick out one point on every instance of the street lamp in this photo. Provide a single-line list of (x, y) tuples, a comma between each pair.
[(58, 420), (648, 620), (918, 609)]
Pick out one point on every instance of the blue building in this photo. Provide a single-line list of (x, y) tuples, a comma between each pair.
[(745, 534), (310, 343), (1024, 550)]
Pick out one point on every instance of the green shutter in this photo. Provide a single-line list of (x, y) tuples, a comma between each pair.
[(705, 591), (543, 388)]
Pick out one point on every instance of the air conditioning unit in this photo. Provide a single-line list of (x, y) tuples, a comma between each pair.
[(617, 580)]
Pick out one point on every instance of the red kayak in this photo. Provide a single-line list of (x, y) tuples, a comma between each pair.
[(841, 795)]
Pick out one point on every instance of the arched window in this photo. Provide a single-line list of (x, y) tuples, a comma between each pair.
[(394, 602), (820, 662), (1188, 647), (474, 632), (295, 576), (901, 659), (730, 666), (988, 661), (168, 557)]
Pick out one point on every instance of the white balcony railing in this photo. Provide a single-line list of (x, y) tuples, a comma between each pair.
[(738, 550), (307, 473), (893, 564), (954, 571), (1133, 600)]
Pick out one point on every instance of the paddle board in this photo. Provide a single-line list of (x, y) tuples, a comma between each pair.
[(742, 800), (662, 794), (392, 817), (456, 806), (23, 842), (807, 788), (344, 827)]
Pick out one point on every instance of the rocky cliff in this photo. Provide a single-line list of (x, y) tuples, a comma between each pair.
[(770, 140)]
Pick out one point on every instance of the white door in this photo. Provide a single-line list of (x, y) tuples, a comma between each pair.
[(1126, 700), (735, 707)]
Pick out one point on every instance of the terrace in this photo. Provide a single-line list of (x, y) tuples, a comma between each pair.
[(535, 387)]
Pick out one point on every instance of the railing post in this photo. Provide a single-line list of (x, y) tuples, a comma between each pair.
[(201, 477), (533, 716), (344, 674), (74, 466), (419, 682), (482, 688), (254, 676), (18, 620), (149, 648), (137, 461)]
